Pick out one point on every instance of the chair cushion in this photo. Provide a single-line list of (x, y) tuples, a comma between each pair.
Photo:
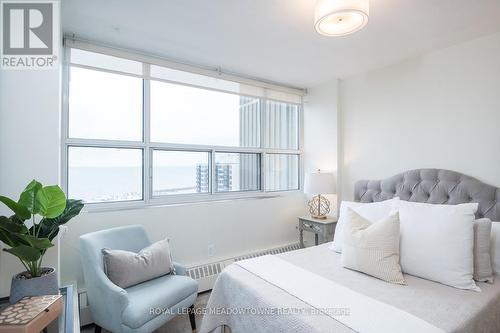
[(162, 293)]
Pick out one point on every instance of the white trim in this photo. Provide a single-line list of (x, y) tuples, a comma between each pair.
[(212, 173), (301, 146), (147, 166), (176, 146), (64, 119), (186, 199), (215, 72)]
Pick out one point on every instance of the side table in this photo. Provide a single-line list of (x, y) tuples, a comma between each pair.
[(323, 229)]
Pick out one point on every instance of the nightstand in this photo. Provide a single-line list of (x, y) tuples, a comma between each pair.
[(323, 229)]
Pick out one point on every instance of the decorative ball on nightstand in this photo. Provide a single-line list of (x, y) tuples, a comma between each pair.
[(319, 183)]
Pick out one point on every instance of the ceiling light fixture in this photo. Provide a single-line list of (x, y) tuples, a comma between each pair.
[(340, 17)]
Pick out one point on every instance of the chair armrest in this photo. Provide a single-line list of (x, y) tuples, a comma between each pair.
[(179, 269), (116, 294), (108, 301)]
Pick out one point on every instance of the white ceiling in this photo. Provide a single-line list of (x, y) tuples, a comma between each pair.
[(275, 39)]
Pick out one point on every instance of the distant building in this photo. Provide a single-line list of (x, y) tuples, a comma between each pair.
[(202, 178), (223, 174), (281, 132), (249, 168)]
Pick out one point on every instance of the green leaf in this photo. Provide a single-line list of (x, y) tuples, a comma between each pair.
[(28, 196), (24, 252), (17, 208), (12, 233), (16, 219), (39, 243), (49, 228), (51, 200), (11, 227), (6, 238), (11, 239)]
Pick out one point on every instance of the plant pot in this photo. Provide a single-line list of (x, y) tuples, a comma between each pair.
[(44, 285)]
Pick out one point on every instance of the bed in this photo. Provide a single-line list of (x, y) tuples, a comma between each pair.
[(255, 295)]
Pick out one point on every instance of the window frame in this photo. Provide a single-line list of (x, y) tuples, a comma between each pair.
[(147, 147)]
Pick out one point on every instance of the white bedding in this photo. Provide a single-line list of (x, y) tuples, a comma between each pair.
[(239, 296), (364, 314)]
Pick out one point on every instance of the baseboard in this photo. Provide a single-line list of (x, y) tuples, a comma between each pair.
[(206, 274)]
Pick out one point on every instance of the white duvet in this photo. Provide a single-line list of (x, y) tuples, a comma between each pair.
[(313, 279), (363, 314)]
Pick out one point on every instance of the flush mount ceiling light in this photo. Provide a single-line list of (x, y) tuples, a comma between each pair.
[(340, 17)]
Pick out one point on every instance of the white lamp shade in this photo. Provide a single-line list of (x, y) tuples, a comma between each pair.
[(320, 183), (340, 17)]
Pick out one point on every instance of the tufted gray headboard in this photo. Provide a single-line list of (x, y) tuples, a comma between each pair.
[(433, 186)]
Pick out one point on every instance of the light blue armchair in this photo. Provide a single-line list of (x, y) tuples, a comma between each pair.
[(142, 308)]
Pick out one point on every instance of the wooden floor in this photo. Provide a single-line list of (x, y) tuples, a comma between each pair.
[(179, 324)]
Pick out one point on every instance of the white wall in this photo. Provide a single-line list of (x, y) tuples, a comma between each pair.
[(234, 227), (440, 110), (29, 143), (320, 126)]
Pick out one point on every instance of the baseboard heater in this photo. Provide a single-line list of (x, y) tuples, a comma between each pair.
[(205, 274)]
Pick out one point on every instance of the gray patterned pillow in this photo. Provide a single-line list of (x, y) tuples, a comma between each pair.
[(125, 268)]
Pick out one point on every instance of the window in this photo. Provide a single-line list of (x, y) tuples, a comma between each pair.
[(282, 124), (144, 133), (282, 172), (177, 172), (187, 115), (104, 106), (105, 174), (237, 172)]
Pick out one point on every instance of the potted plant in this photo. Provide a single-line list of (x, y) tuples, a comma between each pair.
[(38, 214)]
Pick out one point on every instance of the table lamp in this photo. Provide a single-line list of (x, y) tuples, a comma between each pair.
[(316, 184)]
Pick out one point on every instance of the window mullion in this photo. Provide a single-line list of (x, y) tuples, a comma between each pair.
[(263, 129), (65, 120), (146, 126), (263, 172), (213, 173)]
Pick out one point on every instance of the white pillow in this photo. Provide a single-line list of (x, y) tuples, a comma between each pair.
[(482, 258), (495, 247), (373, 248), (373, 211), (437, 242)]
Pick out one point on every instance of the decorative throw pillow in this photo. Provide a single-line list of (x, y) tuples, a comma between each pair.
[(437, 242), (125, 268), (373, 211), (495, 246), (482, 258), (373, 248)]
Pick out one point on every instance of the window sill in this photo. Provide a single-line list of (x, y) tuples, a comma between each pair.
[(184, 200)]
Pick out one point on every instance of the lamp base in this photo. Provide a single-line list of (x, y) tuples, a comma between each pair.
[(319, 206)]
